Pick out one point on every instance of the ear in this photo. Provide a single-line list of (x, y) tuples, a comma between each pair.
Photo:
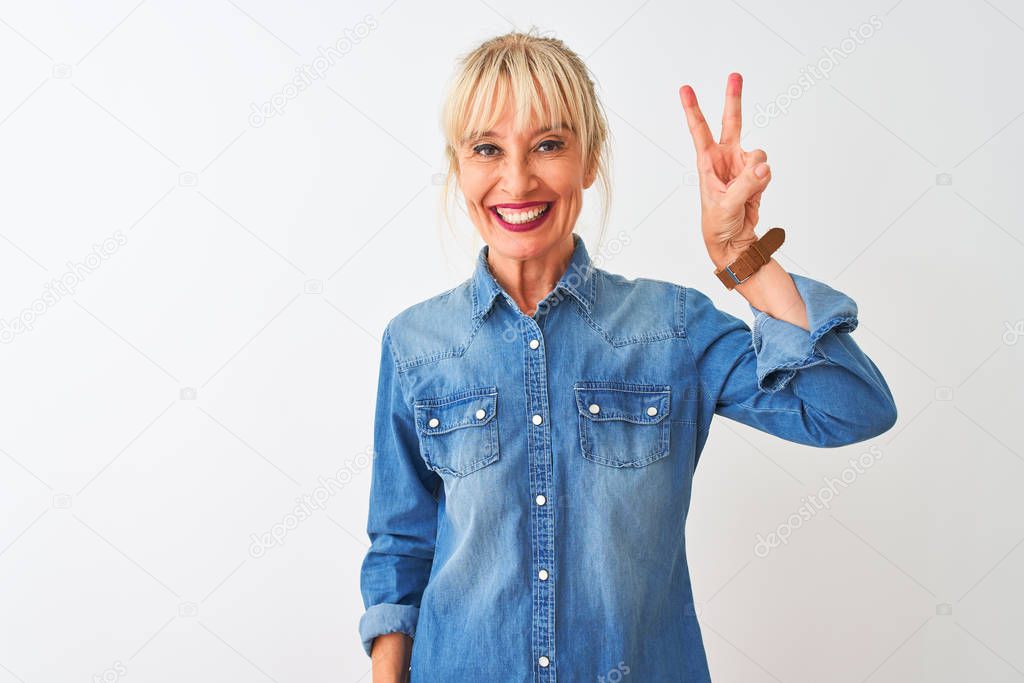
[(591, 175)]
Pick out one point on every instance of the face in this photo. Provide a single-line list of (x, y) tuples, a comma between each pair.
[(508, 176)]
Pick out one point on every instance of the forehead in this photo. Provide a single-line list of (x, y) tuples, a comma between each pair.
[(507, 113), (533, 128)]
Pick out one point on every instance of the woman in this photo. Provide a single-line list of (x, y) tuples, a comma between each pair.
[(538, 426)]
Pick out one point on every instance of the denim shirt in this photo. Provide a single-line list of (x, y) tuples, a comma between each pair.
[(532, 474)]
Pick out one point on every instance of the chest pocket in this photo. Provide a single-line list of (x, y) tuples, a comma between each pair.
[(458, 433), (623, 424)]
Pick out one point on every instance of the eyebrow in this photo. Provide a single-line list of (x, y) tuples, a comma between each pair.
[(543, 129)]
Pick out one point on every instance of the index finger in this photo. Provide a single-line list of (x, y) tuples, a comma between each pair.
[(732, 118), (699, 130)]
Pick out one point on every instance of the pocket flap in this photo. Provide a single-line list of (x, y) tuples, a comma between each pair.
[(638, 403), (468, 408)]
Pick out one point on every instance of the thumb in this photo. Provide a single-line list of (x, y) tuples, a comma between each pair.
[(747, 184)]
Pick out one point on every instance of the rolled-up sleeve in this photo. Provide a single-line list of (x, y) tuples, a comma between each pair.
[(402, 520), (813, 387), (782, 348)]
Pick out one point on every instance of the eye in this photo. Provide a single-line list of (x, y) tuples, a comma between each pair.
[(481, 149), (476, 150)]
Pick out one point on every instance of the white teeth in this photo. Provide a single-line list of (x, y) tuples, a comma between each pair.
[(518, 217)]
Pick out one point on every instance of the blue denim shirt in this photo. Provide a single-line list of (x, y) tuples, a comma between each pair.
[(532, 474)]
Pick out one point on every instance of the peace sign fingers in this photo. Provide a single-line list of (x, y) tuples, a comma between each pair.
[(732, 180), (699, 131), (732, 117)]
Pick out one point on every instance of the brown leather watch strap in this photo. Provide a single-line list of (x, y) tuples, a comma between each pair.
[(751, 258)]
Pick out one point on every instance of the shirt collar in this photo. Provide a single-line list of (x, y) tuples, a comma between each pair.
[(577, 280)]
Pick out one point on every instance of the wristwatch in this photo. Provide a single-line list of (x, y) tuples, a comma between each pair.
[(751, 258)]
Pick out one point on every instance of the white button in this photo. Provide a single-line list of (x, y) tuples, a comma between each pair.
[(543, 661), (594, 408), (537, 419), (541, 500), (652, 411), (534, 343), (434, 422), (480, 414), (543, 574)]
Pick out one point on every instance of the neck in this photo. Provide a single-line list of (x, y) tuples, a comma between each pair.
[(529, 280)]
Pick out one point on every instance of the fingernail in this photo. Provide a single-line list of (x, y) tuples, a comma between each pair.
[(735, 80), (761, 170)]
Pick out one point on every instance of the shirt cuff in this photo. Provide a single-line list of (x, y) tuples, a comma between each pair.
[(782, 348), (387, 618)]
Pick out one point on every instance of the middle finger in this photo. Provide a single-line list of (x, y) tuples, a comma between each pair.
[(732, 118)]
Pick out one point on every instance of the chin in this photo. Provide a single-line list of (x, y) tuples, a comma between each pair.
[(523, 245)]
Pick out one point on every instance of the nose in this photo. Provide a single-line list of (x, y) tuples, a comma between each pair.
[(518, 179)]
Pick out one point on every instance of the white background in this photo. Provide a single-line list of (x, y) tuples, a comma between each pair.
[(221, 357)]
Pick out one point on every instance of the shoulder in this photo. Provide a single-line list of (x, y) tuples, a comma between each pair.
[(432, 328), (636, 309), (643, 308)]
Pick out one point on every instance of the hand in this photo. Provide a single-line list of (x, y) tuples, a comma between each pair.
[(730, 178)]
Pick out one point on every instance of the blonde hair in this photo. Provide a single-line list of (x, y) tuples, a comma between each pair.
[(540, 73)]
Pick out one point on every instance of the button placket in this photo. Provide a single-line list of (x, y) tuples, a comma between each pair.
[(542, 515)]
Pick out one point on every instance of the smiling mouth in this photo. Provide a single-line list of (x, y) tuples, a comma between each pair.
[(521, 215)]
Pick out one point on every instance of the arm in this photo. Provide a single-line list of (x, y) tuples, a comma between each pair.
[(811, 386), (770, 289), (390, 656), (402, 525), (798, 374)]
